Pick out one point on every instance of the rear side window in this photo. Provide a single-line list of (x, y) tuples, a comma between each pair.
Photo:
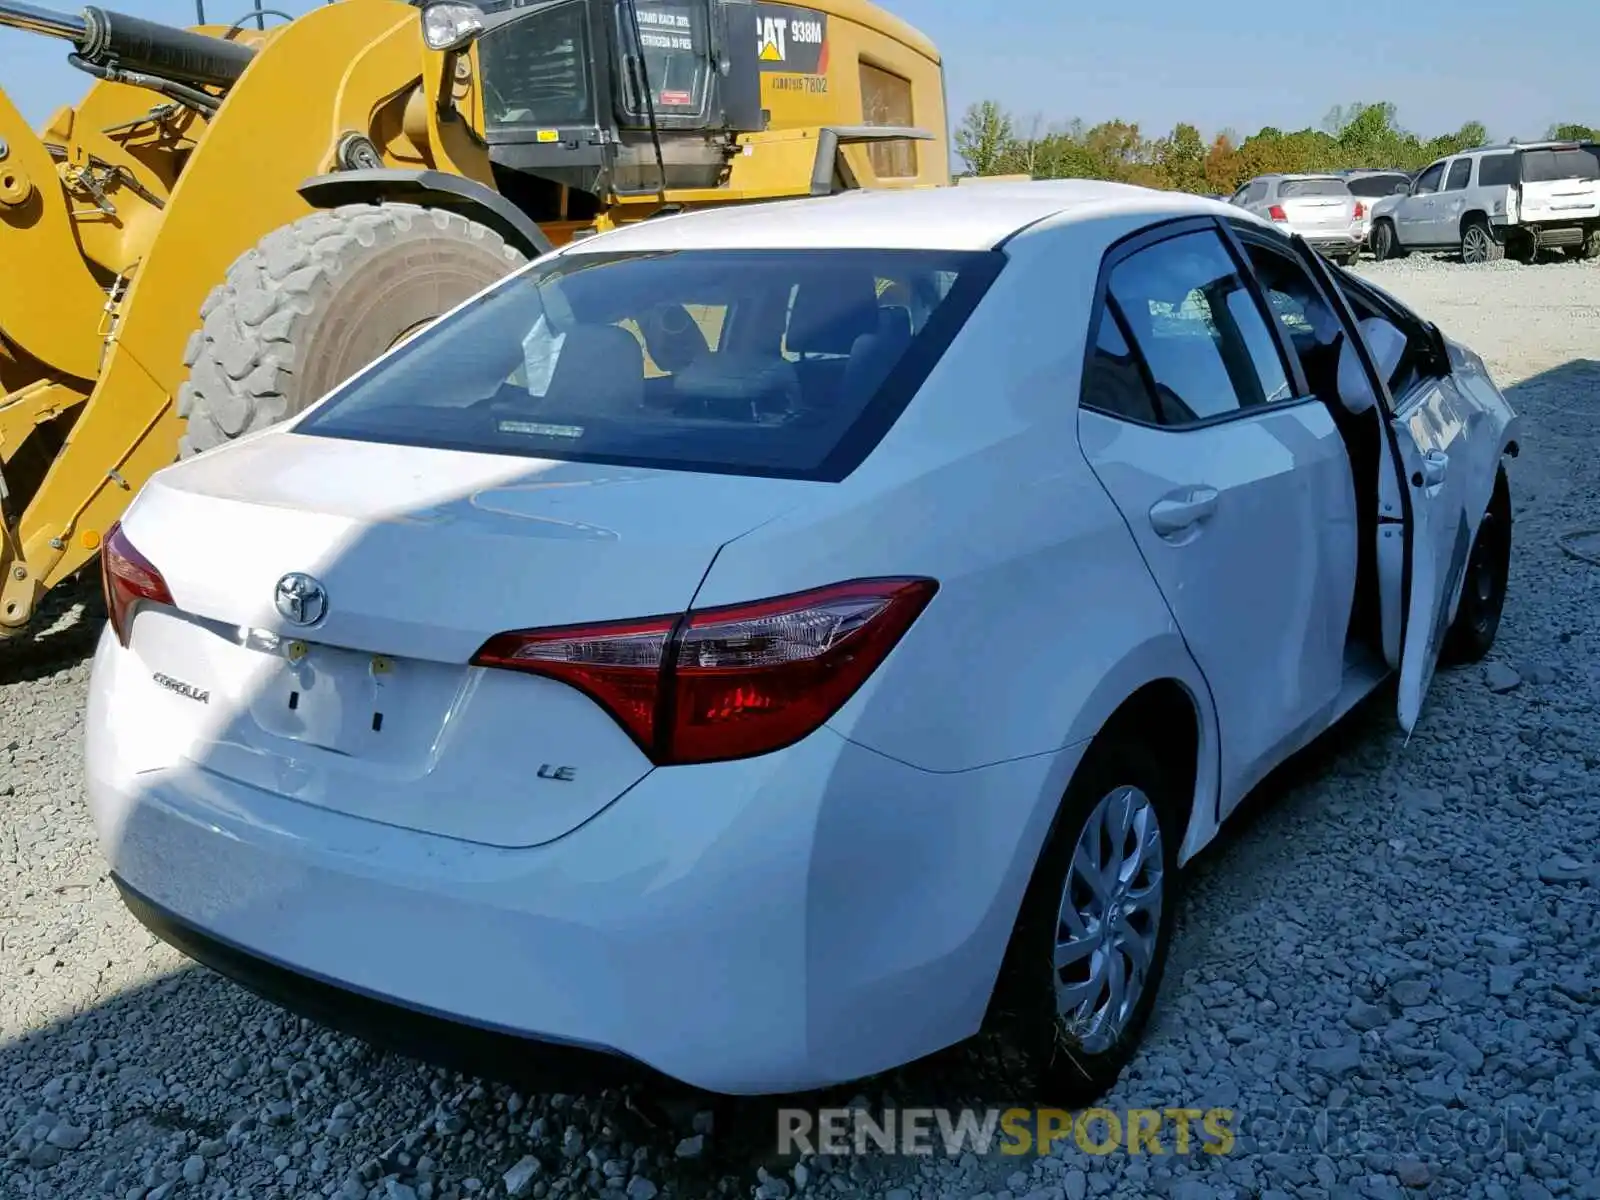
[(1290, 189), (1497, 170), (1199, 329), (787, 363), (1460, 172), (1549, 166), (1112, 381)]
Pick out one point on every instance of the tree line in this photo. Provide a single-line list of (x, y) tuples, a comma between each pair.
[(992, 141)]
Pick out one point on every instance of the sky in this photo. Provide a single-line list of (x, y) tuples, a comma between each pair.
[(1222, 64)]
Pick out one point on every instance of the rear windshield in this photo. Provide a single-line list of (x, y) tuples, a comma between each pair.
[(1370, 186), (1291, 188), (788, 363), (1548, 166)]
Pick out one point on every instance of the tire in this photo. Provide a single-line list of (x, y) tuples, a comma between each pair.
[(1384, 243), (267, 347), (1588, 249), (1063, 1066), (1523, 248), (1483, 587), (1478, 244)]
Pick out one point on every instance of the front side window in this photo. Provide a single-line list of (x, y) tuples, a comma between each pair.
[(535, 69), (1308, 319), (784, 362), (1199, 329), (1428, 181)]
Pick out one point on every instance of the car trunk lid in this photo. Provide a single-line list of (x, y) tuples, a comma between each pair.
[(1560, 200), (1320, 212), (421, 555)]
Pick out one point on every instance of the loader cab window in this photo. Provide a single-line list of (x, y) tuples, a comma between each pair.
[(677, 60), (886, 100), (535, 69)]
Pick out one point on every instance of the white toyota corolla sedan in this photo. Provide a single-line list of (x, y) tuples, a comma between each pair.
[(772, 645)]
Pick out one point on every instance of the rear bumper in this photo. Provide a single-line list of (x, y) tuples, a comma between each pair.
[(772, 925), (434, 1037), (1562, 231), (1335, 243)]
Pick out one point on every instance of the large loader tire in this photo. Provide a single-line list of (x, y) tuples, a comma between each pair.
[(315, 301)]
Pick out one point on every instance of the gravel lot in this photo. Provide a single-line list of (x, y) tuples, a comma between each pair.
[(1394, 932)]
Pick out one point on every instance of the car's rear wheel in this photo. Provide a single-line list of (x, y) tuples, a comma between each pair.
[(1090, 946), (1479, 245), (1483, 587)]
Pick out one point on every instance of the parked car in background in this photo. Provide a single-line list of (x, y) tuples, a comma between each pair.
[(1370, 184), (583, 673), (1516, 199), (1318, 207)]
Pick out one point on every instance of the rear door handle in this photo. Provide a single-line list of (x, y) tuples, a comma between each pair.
[(1182, 509)]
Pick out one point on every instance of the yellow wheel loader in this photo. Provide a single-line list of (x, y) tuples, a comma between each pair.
[(233, 220)]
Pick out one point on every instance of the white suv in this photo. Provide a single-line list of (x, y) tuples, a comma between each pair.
[(1514, 198), (1317, 207)]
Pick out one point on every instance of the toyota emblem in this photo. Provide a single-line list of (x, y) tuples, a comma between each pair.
[(300, 599)]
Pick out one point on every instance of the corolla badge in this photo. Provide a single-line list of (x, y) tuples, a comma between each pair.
[(300, 599)]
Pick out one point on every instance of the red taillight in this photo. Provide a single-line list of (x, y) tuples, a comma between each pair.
[(1361, 210), (727, 682), (1276, 213), (127, 577)]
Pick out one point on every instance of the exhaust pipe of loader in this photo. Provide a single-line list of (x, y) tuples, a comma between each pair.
[(113, 45)]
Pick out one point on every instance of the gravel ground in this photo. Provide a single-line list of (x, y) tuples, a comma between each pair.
[(1402, 935)]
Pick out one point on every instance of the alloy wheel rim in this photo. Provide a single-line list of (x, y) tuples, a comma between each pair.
[(1477, 250), (1109, 921)]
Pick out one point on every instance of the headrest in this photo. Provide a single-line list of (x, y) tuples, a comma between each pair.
[(674, 337), (600, 367), (731, 384), (894, 322), (831, 312)]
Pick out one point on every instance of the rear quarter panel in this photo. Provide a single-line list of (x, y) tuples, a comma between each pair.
[(1046, 618)]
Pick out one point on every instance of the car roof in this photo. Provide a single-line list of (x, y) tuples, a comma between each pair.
[(977, 217)]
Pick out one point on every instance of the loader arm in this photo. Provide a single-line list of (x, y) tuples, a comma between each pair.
[(51, 305), (240, 183)]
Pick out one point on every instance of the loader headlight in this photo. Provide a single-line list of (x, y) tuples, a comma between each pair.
[(450, 25)]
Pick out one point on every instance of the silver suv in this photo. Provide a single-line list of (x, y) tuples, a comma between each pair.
[(1517, 199), (1319, 208)]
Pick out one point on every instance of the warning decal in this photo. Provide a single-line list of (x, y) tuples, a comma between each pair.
[(792, 40)]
